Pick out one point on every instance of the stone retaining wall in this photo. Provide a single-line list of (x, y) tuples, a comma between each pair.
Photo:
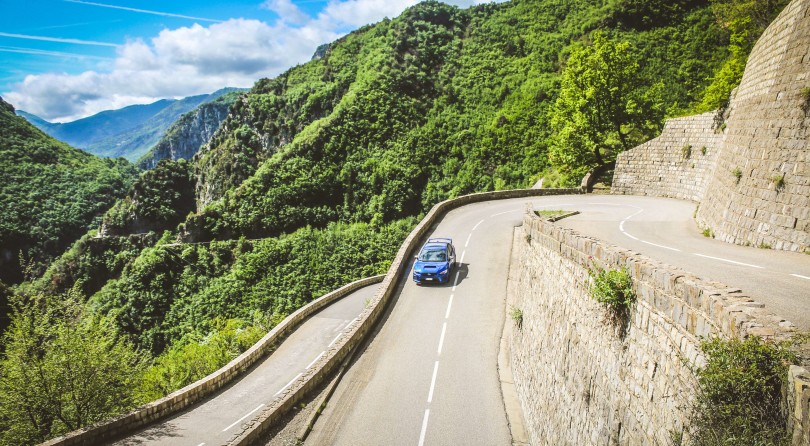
[(760, 191), (677, 164), (579, 380)]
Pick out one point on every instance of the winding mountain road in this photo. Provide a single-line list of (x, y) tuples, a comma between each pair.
[(217, 419), (429, 375)]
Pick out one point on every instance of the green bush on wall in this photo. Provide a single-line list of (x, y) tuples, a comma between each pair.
[(613, 287)]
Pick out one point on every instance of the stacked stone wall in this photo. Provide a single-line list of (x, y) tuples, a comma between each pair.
[(756, 189), (677, 164), (579, 379), (760, 191)]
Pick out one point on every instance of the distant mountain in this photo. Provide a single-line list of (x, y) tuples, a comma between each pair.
[(128, 132), (51, 194), (183, 139)]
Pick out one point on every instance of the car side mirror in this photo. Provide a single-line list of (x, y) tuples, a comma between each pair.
[(416, 257)]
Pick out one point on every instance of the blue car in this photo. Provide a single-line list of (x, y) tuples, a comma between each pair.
[(435, 261)]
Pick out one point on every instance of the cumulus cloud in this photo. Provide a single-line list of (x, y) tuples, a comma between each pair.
[(199, 59)]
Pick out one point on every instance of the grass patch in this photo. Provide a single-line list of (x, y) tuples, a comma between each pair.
[(686, 151), (707, 232), (517, 316), (778, 182), (703, 150), (549, 214), (737, 174)]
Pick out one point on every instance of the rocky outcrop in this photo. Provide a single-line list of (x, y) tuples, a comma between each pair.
[(185, 137)]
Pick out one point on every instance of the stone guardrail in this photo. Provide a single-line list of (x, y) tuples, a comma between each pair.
[(254, 430), (194, 392)]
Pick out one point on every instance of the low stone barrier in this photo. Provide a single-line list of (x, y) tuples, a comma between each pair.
[(194, 392), (256, 429)]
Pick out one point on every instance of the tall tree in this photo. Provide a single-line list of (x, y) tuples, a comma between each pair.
[(63, 369), (604, 107)]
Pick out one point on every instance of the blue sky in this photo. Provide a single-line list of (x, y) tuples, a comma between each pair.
[(66, 59)]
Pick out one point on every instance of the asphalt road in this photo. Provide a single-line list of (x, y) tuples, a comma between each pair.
[(429, 375), (215, 421)]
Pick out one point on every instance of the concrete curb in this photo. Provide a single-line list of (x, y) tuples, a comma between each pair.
[(254, 430), (189, 395)]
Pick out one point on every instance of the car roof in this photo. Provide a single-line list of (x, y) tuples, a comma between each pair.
[(435, 245)]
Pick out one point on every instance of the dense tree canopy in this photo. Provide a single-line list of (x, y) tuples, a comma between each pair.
[(604, 107)]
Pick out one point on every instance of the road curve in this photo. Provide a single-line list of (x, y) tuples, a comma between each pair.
[(429, 375), (217, 419)]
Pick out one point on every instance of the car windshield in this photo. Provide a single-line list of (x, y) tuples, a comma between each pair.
[(433, 255)]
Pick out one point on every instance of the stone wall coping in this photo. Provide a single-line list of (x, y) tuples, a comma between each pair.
[(254, 430), (196, 391)]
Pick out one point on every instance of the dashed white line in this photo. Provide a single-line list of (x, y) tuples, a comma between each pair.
[(800, 276), (201, 444), (240, 420), (334, 340), (506, 212), (729, 261), (433, 382), (441, 338), (424, 427), (660, 246), (449, 304), (288, 384), (315, 360)]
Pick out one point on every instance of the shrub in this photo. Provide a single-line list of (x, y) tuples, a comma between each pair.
[(739, 394), (686, 152), (614, 288), (778, 182)]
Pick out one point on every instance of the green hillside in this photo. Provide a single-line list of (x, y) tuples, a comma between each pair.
[(316, 176), (51, 194)]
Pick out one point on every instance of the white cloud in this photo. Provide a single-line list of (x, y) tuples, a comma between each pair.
[(177, 63), (287, 11), (199, 59)]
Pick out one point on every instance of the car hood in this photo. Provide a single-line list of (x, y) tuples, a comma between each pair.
[(429, 267)]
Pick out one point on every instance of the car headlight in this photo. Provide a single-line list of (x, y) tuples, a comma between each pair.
[(443, 270)]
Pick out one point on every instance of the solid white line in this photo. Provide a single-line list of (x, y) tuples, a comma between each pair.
[(433, 381), (449, 304), (729, 261), (340, 327), (353, 321), (468, 240), (315, 360), (800, 276), (334, 340), (507, 212), (201, 444), (424, 428), (289, 383), (476, 225), (441, 338), (240, 420)]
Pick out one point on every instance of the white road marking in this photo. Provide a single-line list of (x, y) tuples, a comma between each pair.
[(449, 304), (201, 444), (800, 276), (441, 339), (476, 225), (433, 381), (424, 428), (507, 212), (467, 243), (660, 246), (729, 261), (240, 420), (334, 340), (288, 384), (353, 321), (315, 360), (621, 228), (340, 327), (461, 260)]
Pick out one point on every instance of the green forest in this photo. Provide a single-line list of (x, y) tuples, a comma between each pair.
[(317, 176)]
